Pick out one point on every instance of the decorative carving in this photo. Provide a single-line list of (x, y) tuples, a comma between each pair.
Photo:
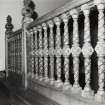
[(66, 33), (51, 38), (9, 25), (76, 50), (40, 52), (44, 25), (36, 67), (58, 34), (51, 51), (87, 51), (66, 68), (59, 82), (66, 52), (58, 51), (100, 49)]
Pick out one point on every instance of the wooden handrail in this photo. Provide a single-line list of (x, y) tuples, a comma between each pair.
[(15, 33), (56, 12)]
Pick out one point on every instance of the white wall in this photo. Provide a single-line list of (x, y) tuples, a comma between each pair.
[(13, 8)]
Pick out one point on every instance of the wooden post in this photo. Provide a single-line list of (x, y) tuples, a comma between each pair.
[(9, 28)]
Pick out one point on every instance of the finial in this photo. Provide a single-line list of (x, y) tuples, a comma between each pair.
[(29, 9), (9, 25)]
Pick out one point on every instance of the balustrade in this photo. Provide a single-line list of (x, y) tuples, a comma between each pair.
[(100, 49), (51, 48), (66, 51), (14, 53), (44, 25), (46, 45)]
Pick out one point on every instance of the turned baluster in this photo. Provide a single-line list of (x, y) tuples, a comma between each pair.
[(35, 52), (66, 51), (76, 50), (87, 52), (100, 49), (40, 53), (59, 82), (51, 45), (44, 25)]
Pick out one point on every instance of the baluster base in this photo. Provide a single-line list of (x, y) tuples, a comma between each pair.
[(52, 81), (58, 84), (100, 96), (66, 85), (87, 93), (76, 89)]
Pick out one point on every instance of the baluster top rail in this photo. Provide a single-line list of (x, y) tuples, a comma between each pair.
[(15, 33), (58, 11)]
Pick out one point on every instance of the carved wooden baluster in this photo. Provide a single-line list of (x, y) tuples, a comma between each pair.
[(51, 25), (59, 82), (87, 52), (40, 53), (76, 50), (32, 53), (45, 53), (35, 52), (66, 51), (100, 49)]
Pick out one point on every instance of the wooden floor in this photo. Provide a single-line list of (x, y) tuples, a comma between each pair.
[(22, 98), (4, 95)]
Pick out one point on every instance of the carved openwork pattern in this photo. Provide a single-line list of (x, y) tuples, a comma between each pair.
[(100, 49), (87, 51), (76, 50)]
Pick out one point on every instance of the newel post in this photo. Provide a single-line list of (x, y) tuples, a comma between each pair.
[(27, 13), (8, 31)]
